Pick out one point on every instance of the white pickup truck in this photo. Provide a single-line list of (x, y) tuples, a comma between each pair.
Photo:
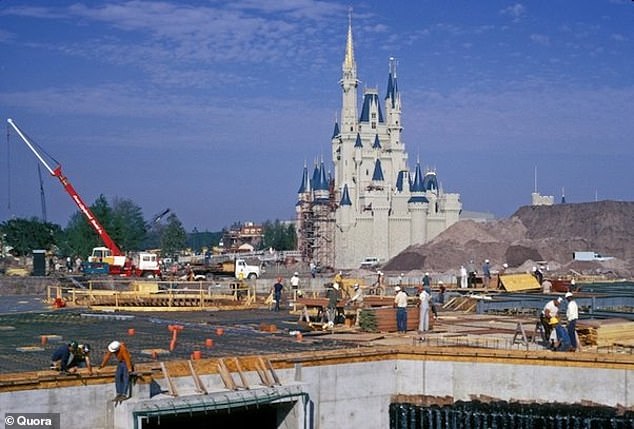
[(370, 262)]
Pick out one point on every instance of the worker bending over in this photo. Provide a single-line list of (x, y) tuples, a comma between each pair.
[(550, 311), (124, 368)]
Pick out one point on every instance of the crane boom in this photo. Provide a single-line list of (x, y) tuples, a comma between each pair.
[(68, 187)]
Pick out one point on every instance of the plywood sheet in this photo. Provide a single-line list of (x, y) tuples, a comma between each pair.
[(519, 282)]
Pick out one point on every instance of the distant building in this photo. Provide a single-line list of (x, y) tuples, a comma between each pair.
[(242, 237), (542, 200), (371, 204)]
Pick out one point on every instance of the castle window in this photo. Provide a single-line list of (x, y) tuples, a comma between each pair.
[(373, 125)]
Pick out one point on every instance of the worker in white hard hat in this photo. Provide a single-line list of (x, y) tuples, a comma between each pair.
[(331, 310), (486, 273), (400, 302), (551, 309), (124, 368), (295, 285), (572, 315), (356, 301)]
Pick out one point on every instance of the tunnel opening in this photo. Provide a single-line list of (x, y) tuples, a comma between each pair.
[(263, 408), (268, 416), (505, 415)]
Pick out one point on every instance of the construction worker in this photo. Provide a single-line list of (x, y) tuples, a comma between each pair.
[(572, 315), (486, 273), (356, 301), (81, 357), (550, 310), (124, 368), (424, 305), (295, 285), (277, 293), (400, 302), (331, 310), (559, 339), (63, 356)]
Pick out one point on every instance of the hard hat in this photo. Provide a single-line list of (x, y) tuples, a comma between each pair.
[(553, 321), (73, 345), (440, 282), (505, 265), (426, 274), (85, 348), (559, 299), (356, 286), (296, 273), (397, 289), (486, 261), (568, 294), (113, 347), (335, 285), (534, 269)]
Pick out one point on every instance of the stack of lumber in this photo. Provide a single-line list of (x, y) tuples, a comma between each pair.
[(383, 319), (604, 333)]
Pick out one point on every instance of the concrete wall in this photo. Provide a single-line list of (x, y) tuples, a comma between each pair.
[(354, 394)]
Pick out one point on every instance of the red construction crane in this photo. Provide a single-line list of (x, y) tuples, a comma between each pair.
[(119, 263)]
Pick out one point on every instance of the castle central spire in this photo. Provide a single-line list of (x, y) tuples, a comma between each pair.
[(348, 62), (349, 83)]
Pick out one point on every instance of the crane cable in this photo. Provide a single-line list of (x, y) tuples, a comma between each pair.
[(42, 150)]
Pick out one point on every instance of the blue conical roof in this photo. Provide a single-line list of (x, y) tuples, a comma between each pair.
[(315, 178), (305, 186), (322, 184), (336, 132), (358, 143), (345, 197), (417, 186), (377, 143), (378, 171), (400, 180)]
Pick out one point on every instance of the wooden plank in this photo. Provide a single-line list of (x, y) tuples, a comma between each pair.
[(200, 387), (262, 367), (171, 389), (519, 282), (272, 371), (225, 375), (243, 379)]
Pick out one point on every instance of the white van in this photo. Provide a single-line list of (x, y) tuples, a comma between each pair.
[(370, 262)]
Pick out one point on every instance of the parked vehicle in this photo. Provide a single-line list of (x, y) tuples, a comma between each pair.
[(370, 262)]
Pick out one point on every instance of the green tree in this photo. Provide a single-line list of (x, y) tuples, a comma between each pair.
[(128, 228), (279, 236), (25, 235), (174, 236)]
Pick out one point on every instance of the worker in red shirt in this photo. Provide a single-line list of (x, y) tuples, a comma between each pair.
[(124, 368)]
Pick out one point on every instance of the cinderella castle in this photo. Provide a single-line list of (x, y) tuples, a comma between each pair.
[(370, 204)]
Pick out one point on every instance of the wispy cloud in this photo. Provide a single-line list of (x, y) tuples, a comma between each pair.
[(516, 11), (540, 39)]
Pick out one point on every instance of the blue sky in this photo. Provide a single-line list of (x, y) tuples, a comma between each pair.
[(211, 108)]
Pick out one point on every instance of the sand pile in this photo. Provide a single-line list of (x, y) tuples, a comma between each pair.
[(533, 233)]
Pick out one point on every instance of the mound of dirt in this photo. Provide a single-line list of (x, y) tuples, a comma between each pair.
[(533, 233)]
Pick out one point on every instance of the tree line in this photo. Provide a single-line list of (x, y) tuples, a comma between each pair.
[(124, 222)]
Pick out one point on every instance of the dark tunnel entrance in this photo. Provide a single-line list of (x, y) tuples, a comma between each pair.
[(268, 416)]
